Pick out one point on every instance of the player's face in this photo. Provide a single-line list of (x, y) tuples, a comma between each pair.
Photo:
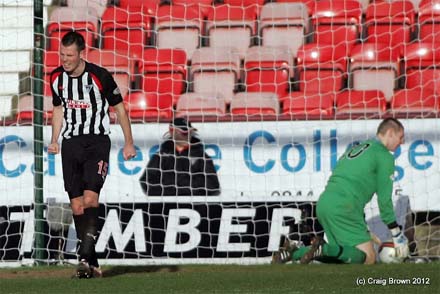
[(396, 138), (71, 59)]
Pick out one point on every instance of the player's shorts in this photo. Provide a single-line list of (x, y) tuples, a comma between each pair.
[(85, 163), (342, 219)]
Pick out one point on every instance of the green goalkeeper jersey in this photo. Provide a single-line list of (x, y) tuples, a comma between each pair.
[(363, 170)]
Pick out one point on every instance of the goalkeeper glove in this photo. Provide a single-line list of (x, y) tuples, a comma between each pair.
[(400, 242)]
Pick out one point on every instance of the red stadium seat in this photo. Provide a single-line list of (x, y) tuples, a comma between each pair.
[(65, 19), (163, 71), (25, 108), (142, 105), (204, 6), (215, 70), (51, 61), (149, 6), (255, 103), (98, 5), (118, 64), (245, 3), (201, 104), (311, 4), (125, 29), (231, 26), (390, 22), (284, 24), (415, 102), (374, 66), (337, 22), (365, 103), (421, 65), (309, 106), (429, 21), (179, 26), (268, 69), (321, 68)]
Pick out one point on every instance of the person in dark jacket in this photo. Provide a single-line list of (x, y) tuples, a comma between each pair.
[(181, 167)]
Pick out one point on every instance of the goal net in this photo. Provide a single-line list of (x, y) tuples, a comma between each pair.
[(277, 91)]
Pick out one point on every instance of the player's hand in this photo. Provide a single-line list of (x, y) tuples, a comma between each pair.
[(53, 148), (400, 242), (129, 152)]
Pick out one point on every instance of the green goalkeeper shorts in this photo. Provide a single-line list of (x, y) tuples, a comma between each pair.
[(342, 219)]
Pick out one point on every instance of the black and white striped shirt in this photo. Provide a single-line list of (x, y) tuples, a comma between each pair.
[(86, 100)]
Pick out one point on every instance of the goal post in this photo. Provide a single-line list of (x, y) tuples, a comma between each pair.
[(37, 90)]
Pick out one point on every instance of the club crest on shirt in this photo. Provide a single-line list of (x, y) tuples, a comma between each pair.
[(116, 91), (88, 88)]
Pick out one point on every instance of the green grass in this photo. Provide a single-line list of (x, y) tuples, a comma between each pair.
[(224, 279)]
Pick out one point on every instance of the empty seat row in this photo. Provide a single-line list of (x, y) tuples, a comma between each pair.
[(270, 69), (276, 24), (346, 104)]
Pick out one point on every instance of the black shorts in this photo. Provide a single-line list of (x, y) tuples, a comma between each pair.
[(85, 163)]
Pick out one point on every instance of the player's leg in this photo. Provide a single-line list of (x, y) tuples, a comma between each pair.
[(71, 153), (368, 249), (344, 227), (95, 172)]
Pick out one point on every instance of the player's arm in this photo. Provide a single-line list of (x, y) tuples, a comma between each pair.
[(57, 116), (57, 124), (128, 151), (113, 96), (385, 171)]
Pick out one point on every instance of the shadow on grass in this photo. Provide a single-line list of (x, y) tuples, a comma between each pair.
[(121, 270)]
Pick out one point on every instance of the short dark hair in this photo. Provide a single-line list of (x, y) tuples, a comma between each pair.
[(73, 37), (389, 123)]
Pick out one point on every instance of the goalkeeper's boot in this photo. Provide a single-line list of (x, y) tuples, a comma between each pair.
[(284, 254), (314, 251), (83, 270)]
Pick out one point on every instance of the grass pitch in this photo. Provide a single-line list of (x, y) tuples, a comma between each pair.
[(314, 278)]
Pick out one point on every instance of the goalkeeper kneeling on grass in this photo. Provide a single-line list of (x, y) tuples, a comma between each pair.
[(362, 171)]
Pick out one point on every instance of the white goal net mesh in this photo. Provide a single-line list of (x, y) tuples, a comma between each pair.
[(277, 91)]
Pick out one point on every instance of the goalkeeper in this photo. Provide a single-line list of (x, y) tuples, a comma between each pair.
[(363, 170)]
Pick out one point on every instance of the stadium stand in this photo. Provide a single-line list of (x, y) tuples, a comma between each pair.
[(231, 26), (177, 47), (98, 5), (355, 104), (25, 108), (201, 105), (51, 61), (374, 66), (163, 71), (419, 102), (179, 26), (297, 105), (64, 19), (284, 24), (337, 22), (268, 69), (215, 69), (390, 22), (255, 103), (148, 6), (429, 21), (420, 68), (143, 106), (126, 29), (321, 68)]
